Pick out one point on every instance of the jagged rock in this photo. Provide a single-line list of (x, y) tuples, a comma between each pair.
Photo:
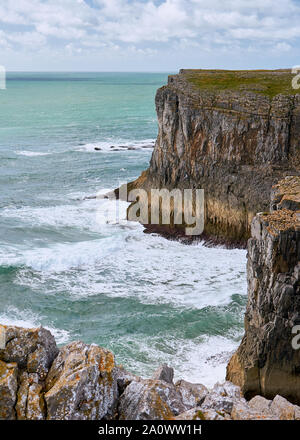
[(8, 390), (150, 400), (192, 394), (266, 362), (217, 402), (34, 349), (228, 389), (164, 372), (30, 402), (81, 384)]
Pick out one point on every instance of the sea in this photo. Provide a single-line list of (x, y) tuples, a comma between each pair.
[(70, 264)]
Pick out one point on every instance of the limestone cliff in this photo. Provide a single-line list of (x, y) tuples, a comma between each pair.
[(232, 133), (266, 362)]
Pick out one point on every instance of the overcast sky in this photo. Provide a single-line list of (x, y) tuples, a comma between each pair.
[(144, 35)]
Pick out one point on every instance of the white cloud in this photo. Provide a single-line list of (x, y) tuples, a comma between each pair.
[(145, 25)]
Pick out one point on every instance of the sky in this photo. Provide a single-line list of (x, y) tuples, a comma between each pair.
[(148, 35)]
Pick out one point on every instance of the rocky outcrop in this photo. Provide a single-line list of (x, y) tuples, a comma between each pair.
[(82, 382), (234, 142), (38, 381), (266, 362)]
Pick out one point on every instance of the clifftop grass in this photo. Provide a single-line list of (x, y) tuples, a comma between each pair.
[(266, 82)]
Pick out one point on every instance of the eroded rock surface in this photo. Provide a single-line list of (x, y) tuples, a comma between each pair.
[(266, 363), (81, 384)]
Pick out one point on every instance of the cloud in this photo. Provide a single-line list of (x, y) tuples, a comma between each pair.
[(149, 25)]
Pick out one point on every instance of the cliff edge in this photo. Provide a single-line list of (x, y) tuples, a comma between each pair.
[(232, 133)]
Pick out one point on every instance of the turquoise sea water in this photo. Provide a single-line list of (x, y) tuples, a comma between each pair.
[(66, 264)]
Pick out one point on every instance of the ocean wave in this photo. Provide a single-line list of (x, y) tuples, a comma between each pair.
[(198, 360), (32, 153), (130, 264), (90, 214), (111, 146)]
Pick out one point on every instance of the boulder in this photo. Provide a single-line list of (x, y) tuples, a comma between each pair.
[(124, 378), (150, 400), (164, 372), (223, 397), (81, 384), (32, 349), (283, 409), (192, 394), (260, 404)]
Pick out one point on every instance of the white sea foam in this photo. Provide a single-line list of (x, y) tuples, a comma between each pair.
[(199, 360), (31, 153), (27, 319), (145, 267), (120, 145), (120, 261), (87, 214)]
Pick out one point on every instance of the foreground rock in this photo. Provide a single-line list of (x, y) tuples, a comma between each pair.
[(82, 382), (266, 363)]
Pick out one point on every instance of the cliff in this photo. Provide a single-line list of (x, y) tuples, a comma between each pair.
[(232, 133), (38, 381), (266, 362)]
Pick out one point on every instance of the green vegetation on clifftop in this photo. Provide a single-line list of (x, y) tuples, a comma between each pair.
[(266, 82)]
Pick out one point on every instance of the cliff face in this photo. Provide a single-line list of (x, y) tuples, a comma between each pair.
[(266, 362), (235, 143)]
